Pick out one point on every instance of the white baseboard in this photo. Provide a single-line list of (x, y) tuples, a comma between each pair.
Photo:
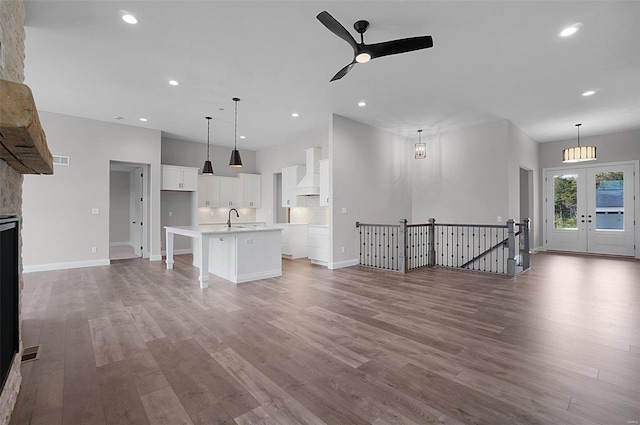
[(538, 249), (155, 258), (342, 264), (179, 251), (127, 243), (62, 266), (256, 276)]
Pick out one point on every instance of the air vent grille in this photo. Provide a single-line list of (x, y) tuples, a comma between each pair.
[(60, 160)]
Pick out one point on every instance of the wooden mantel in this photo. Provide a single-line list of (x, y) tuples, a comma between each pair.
[(23, 144)]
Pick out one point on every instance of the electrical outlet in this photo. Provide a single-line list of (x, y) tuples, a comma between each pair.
[(248, 241), (344, 210), (95, 210), (344, 249), (170, 213), (94, 249), (499, 219)]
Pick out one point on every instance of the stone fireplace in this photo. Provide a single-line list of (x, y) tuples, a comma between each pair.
[(12, 36)]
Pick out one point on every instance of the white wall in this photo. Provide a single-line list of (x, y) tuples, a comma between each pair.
[(524, 153), (190, 154), (370, 178), (59, 227), (464, 178), (273, 160), (119, 207)]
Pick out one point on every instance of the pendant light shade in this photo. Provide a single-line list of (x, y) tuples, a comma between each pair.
[(421, 148), (235, 161), (207, 169), (579, 153)]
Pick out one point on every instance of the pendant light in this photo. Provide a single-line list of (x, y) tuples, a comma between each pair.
[(579, 153), (235, 161), (421, 148), (208, 168)]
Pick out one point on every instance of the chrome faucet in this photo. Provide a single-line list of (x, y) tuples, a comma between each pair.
[(229, 219)]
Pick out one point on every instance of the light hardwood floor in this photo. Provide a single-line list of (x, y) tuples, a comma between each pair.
[(134, 343)]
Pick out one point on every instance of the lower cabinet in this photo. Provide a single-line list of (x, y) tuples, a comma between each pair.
[(294, 239), (318, 244)]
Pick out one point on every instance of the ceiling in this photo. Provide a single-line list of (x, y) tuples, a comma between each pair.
[(490, 61)]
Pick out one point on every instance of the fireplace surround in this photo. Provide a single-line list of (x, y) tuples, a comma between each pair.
[(9, 294)]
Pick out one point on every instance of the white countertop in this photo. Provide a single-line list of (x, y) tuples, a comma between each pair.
[(210, 229)]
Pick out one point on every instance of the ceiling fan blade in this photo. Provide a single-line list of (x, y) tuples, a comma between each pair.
[(399, 46), (336, 27), (343, 71)]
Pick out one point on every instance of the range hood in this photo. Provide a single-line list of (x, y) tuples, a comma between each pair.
[(310, 183)]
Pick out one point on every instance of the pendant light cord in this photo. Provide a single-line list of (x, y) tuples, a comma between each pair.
[(208, 124), (235, 129)]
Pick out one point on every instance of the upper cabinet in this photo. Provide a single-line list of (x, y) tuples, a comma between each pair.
[(290, 178), (208, 191), (324, 182), (230, 192), (179, 178), (251, 190)]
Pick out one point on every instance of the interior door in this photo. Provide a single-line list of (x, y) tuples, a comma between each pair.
[(591, 210), (137, 202)]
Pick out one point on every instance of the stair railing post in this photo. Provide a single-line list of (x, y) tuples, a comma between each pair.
[(525, 229), (511, 259), (403, 265), (431, 256)]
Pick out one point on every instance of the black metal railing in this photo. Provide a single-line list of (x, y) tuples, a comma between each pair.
[(499, 249)]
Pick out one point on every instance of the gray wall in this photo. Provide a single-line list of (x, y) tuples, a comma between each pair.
[(58, 224), (190, 154), (621, 146), (119, 207), (370, 178)]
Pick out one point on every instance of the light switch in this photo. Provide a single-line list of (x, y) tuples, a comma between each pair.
[(499, 219), (170, 213), (344, 210), (95, 210)]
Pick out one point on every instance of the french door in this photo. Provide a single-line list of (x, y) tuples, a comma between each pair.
[(591, 209)]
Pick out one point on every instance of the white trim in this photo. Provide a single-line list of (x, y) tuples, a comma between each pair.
[(256, 276), (155, 258), (128, 243), (342, 264), (63, 266), (319, 262), (179, 251)]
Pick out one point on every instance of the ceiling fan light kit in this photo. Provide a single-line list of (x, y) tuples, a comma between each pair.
[(362, 52)]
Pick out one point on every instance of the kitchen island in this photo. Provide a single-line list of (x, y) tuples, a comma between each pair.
[(240, 253)]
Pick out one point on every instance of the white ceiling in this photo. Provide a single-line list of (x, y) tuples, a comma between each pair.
[(490, 61)]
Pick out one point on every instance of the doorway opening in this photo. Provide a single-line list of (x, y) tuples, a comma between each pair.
[(128, 210), (591, 209)]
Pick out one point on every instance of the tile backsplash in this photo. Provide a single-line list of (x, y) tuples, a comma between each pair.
[(309, 211), (220, 215)]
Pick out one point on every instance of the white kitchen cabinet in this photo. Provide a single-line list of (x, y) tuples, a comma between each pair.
[(318, 244), (290, 178), (324, 182), (294, 240), (175, 177), (229, 192), (208, 191), (251, 190)]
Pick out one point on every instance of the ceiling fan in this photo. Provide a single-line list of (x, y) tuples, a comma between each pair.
[(365, 52)]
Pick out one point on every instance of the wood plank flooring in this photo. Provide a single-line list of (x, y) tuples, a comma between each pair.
[(134, 343)]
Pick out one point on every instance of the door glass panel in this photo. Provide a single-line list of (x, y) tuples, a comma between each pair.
[(565, 201), (610, 200)]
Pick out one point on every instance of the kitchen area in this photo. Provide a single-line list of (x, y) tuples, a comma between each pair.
[(232, 233)]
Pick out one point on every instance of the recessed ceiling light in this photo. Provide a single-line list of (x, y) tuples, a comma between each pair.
[(129, 19), (589, 93), (174, 82), (243, 137), (570, 30), (144, 119), (362, 103), (295, 115), (118, 117)]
